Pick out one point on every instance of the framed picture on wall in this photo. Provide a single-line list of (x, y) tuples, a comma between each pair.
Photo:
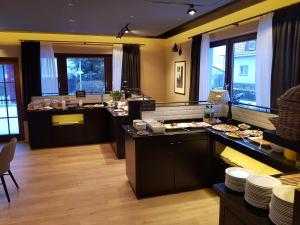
[(179, 78)]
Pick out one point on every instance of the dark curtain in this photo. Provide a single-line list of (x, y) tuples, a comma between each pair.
[(286, 51), (131, 71), (31, 72), (195, 68)]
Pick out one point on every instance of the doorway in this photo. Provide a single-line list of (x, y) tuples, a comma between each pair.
[(11, 116)]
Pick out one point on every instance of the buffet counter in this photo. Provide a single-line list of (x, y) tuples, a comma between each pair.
[(156, 161), (74, 126)]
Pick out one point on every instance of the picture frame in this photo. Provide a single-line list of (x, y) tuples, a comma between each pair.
[(179, 77)]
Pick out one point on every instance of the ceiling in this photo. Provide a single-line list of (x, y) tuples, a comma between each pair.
[(99, 17)]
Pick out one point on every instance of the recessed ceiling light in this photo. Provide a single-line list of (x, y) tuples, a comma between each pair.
[(131, 16), (71, 20), (70, 4), (191, 10)]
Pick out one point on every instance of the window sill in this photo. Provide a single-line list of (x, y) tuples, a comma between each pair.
[(252, 107)]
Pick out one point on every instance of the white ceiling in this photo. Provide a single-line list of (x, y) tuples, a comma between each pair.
[(101, 17)]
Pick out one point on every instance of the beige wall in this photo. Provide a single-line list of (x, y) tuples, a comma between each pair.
[(152, 61), (82, 49), (171, 58)]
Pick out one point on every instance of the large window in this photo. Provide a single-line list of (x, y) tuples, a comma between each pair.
[(217, 67), (232, 65), (90, 73)]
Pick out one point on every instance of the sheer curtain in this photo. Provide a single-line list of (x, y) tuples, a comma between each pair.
[(117, 66), (204, 68), (49, 77), (264, 55)]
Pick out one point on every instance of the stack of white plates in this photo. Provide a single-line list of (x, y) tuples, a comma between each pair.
[(235, 178), (259, 190), (281, 206)]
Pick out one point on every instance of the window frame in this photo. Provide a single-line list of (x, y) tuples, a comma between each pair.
[(229, 43), (63, 75)]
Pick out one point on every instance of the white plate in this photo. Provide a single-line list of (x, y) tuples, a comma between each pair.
[(262, 181), (238, 172), (285, 193)]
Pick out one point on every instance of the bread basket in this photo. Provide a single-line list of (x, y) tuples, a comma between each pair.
[(288, 123)]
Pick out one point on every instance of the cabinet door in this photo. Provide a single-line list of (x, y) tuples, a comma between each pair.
[(155, 167), (230, 218), (192, 164)]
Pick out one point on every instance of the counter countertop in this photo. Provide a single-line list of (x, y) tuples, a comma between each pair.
[(80, 109), (263, 154)]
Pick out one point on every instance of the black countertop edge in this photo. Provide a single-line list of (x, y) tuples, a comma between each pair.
[(133, 132), (265, 155), (79, 109)]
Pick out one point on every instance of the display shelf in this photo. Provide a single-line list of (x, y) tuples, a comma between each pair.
[(271, 136)]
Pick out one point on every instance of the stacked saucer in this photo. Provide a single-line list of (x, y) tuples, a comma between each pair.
[(281, 206), (235, 178), (258, 190)]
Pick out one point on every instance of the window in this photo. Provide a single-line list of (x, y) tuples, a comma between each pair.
[(90, 73), (244, 70), (243, 77), (217, 67), (250, 45), (232, 64)]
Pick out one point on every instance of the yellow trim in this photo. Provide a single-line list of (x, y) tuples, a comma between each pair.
[(247, 162), (69, 119)]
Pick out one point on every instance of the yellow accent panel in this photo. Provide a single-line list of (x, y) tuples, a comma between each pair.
[(247, 162), (70, 119), (255, 10)]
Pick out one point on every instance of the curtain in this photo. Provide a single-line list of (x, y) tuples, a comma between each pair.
[(263, 68), (131, 65), (195, 68), (31, 72), (49, 78), (286, 51), (204, 68), (117, 66)]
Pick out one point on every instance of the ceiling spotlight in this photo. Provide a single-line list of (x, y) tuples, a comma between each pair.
[(126, 30), (191, 10)]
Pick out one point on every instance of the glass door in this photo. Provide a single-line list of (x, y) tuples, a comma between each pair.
[(11, 124)]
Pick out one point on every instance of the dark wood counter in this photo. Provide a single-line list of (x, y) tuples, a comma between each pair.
[(116, 133), (235, 211), (167, 163), (265, 155), (43, 134)]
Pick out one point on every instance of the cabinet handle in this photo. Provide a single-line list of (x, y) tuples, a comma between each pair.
[(171, 143), (179, 142)]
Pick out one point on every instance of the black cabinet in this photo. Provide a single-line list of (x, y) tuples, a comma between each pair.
[(155, 167), (167, 163), (192, 159), (43, 133), (116, 133)]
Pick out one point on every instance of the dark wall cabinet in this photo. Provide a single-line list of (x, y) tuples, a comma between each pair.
[(43, 134), (116, 133), (168, 163)]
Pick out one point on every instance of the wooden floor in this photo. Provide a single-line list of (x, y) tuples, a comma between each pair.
[(87, 185)]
